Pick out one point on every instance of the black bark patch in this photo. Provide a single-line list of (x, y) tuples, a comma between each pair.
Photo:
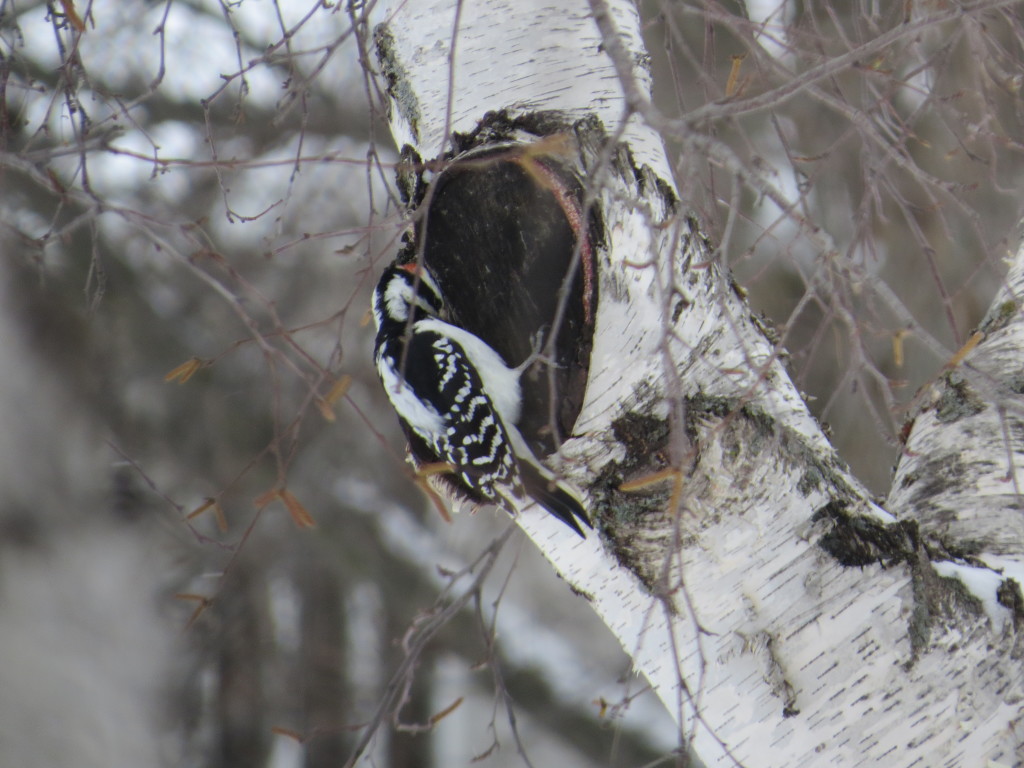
[(624, 166), (906, 429), (397, 79), (957, 399), (909, 479), (999, 316), (677, 310), (649, 184), (1016, 383), (626, 519), (858, 541), (763, 423), (779, 681), (938, 603), (661, 187), (641, 435), (581, 593), (645, 440), (764, 324), (409, 177), (700, 407), (629, 519), (935, 477), (501, 126), (1009, 595), (810, 481), (625, 546)]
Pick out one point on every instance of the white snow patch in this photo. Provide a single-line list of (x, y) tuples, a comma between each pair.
[(980, 582), (1010, 568)]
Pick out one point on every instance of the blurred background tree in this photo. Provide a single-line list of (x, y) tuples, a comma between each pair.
[(203, 192)]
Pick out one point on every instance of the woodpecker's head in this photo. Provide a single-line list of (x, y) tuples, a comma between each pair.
[(405, 289)]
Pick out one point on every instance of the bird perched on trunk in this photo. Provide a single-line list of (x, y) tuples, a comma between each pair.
[(458, 401)]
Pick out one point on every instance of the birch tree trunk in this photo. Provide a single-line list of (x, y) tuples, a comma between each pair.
[(780, 614)]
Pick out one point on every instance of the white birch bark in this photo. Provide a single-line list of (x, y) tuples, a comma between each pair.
[(781, 616), (961, 472)]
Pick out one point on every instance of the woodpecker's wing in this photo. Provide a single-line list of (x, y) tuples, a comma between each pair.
[(466, 431)]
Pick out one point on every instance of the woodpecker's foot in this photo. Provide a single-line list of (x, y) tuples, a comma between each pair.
[(536, 353)]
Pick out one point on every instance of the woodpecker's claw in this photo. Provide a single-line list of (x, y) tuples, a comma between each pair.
[(536, 350)]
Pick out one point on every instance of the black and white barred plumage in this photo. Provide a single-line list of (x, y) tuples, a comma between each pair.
[(457, 399)]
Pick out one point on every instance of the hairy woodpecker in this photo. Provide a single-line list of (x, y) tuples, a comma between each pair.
[(457, 399)]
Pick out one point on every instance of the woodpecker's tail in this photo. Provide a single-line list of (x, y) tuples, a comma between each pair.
[(553, 497)]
